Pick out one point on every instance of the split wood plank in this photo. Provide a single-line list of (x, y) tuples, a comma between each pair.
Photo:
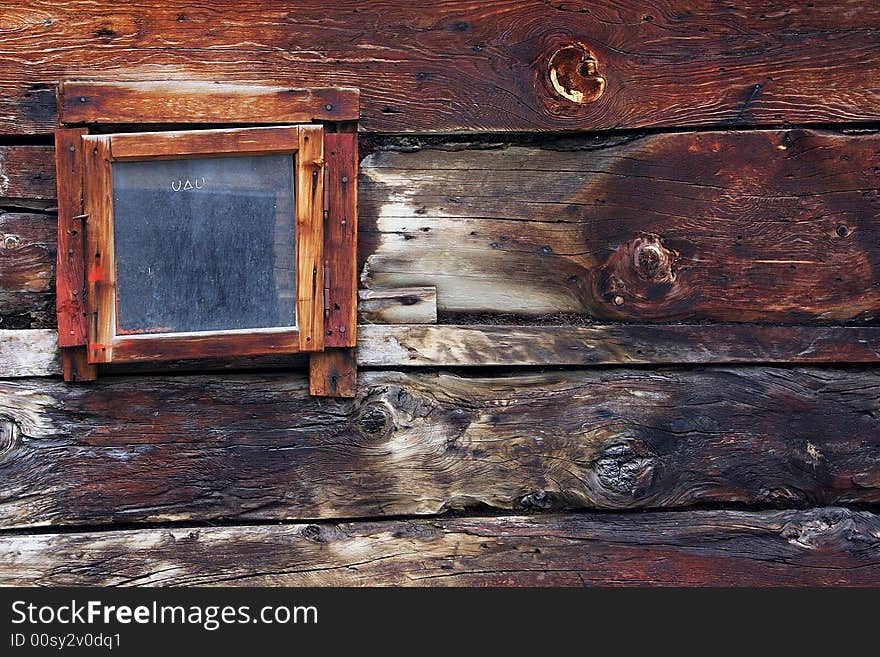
[(258, 447), (815, 547), (460, 65)]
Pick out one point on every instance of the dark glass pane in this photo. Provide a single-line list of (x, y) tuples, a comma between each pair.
[(204, 244)]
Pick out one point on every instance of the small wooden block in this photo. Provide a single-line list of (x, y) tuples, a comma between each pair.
[(333, 373), (75, 365), (402, 305)]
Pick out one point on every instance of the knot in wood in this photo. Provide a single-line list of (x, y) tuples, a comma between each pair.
[(626, 468), (11, 242), (10, 433), (652, 261), (374, 421), (573, 74)]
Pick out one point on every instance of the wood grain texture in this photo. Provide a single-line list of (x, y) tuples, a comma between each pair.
[(27, 270), (70, 285), (310, 238), (184, 143), (257, 447), (180, 102), (775, 226), (818, 547), (26, 173), (414, 345), (29, 352), (340, 239), (510, 346), (100, 262), (333, 373), (458, 65), (398, 305)]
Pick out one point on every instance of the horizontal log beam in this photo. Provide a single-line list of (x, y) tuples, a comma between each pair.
[(26, 172), (457, 65), (777, 226), (35, 352), (817, 547), (137, 449), (457, 346)]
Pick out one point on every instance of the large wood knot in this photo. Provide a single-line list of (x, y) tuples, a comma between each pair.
[(573, 74), (639, 274), (626, 468)]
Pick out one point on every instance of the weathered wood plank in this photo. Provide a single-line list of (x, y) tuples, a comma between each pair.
[(456, 346), (755, 226), (132, 449), (26, 172), (27, 270), (29, 352), (817, 547), (459, 65), (413, 345), (399, 305), (181, 102)]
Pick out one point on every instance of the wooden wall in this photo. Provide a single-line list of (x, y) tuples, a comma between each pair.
[(632, 341)]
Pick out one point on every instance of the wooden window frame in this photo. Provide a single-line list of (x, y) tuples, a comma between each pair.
[(303, 142)]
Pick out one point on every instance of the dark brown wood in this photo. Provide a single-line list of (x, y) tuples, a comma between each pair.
[(174, 102), (257, 447), (333, 373), (510, 346), (27, 173), (778, 226), (340, 239), (27, 270), (398, 305), (460, 65), (818, 547)]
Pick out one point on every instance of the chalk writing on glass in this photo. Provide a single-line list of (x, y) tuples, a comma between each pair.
[(183, 185)]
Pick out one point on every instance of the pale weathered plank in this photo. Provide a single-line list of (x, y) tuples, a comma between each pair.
[(133, 449), (29, 352), (752, 226), (828, 546), (456, 346), (460, 65), (402, 305)]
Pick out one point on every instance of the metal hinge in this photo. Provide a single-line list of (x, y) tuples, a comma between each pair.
[(326, 290)]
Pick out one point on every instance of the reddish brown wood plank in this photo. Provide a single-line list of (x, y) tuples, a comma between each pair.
[(258, 447), (69, 277), (460, 65), (207, 102), (340, 239), (816, 547), (177, 144), (310, 238), (762, 226)]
